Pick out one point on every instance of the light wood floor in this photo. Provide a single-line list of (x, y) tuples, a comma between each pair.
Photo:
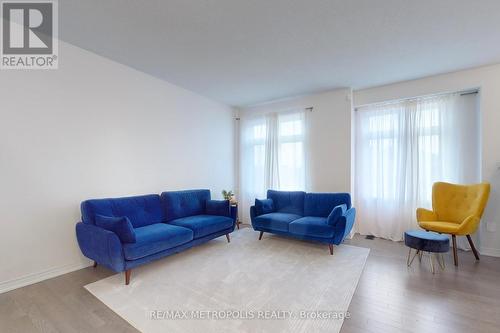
[(393, 298), (389, 298)]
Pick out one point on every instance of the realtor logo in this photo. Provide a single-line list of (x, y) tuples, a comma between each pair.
[(29, 35)]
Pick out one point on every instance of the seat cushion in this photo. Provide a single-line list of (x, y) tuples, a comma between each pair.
[(427, 241), (155, 238), (203, 225), (275, 221), (311, 226), (438, 226)]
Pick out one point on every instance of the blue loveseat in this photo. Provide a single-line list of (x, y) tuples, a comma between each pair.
[(322, 217), (123, 233)]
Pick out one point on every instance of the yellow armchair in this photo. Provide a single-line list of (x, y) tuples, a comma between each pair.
[(456, 210)]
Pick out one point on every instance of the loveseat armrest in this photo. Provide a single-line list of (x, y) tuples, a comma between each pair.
[(253, 213), (100, 245), (344, 225)]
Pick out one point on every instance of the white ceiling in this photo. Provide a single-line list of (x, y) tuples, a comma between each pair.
[(242, 52)]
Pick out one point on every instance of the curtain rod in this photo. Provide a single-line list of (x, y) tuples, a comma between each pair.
[(461, 93), (473, 92), (309, 108)]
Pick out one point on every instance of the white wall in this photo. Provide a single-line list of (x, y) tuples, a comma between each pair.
[(488, 80), (94, 128), (329, 151)]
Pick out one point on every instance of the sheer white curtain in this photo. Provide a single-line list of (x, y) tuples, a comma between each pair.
[(272, 155), (402, 148)]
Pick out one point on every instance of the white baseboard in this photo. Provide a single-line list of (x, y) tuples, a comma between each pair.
[(40, 276), (489, 252)]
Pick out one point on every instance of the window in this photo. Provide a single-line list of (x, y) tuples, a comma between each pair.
[(272, 154), (402, 148), (291, 159)]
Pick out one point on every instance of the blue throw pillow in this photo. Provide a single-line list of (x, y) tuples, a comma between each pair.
[(121, 226), (335, 214), (264, 206), (218, 207)]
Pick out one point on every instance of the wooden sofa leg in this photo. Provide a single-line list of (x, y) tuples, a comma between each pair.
[(95, 264), (473, 248), (260, 236), (228, 239), (331, 248), (455, 255), (127, 276)]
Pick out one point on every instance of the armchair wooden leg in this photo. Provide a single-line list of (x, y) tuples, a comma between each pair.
[(127, 276), (476, 254), (331, 248), (260, 236), (455, 255), (228, 239), (95, 264)]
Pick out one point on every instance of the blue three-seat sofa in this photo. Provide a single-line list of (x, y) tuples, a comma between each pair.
[(123, 233)]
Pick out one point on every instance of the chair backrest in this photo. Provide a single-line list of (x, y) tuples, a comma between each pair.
[(454, 203), (141, 210), (321, 204), (291, 202), (178, 204)]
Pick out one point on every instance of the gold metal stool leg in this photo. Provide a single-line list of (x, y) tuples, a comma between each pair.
[(408, 261), (440, 260), (431, 262)]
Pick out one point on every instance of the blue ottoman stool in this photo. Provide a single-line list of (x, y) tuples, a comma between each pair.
[(425, 241)]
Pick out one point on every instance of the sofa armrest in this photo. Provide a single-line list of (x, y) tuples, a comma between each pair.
[(218, 207), (426, 215), (100, 245), (253, 213), (344, 225), (234, 212)]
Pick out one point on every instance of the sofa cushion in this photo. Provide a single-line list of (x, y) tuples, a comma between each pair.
[(321, 204), (218, 207), (141, 210), (121, 226), (155, 238), (178, 204), (311, 226), (264, 206), (203, 225), (336, 213), (291, 202), (275, 221)]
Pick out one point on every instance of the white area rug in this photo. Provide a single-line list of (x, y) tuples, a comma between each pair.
[(244, 286)]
